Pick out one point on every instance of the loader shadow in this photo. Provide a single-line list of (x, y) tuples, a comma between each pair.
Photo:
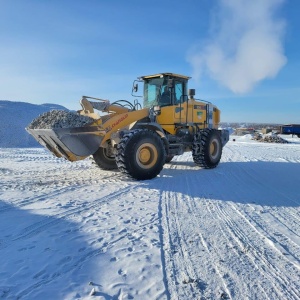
[(42, 257), (259, 182)]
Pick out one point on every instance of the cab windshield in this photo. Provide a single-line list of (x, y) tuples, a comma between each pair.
[(152, 91), (157, 92)]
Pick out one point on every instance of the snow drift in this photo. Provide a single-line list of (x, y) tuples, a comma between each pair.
[(14, 117)]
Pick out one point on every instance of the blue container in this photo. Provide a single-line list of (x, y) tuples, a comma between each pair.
[(290, 129)]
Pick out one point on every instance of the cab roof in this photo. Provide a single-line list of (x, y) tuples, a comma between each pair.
[(164, 75)]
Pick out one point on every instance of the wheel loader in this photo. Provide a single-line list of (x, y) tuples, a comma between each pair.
[(140, 140)]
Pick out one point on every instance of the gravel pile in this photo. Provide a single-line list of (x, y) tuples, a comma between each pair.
[(269, 139), (59, 119)]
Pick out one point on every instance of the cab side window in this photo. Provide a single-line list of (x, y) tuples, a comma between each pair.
[(179, 96)]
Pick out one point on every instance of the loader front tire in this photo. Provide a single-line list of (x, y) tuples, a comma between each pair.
[(207, 148), (140, 154), (105, 159)]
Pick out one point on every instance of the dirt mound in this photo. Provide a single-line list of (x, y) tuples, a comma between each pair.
[(269, 138)]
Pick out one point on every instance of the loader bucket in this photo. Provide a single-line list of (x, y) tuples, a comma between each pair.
[(71, 143)]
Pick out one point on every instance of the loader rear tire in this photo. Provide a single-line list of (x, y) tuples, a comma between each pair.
[(141, 154), (105, 159), (207, 148)]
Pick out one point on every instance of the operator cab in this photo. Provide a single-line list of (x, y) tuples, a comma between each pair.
[(164, 89)]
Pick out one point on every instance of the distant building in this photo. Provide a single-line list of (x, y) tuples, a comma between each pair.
[(266, 130), (243, 131)]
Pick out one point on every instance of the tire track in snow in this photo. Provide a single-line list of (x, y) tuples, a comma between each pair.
[(257, 237), (183, 244), (280, 240), (181, 277), (287, 217), (236, 234), (38, 227), (270, 243), (27, 201), (222, 285), (258, 249), (250, 269), (210, 258), (72, 186), (16, 153), (173, 245), (33, 229)]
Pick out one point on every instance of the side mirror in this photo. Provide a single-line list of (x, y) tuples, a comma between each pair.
[(135, 88)]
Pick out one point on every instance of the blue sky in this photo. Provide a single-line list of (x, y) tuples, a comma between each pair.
[(243, 55)]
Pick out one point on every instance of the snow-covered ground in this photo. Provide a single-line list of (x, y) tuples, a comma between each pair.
[(69, 229)]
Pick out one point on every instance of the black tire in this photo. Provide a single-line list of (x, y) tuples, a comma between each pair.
[(141, 154), (105, 159), (207, 148), (169, 158)]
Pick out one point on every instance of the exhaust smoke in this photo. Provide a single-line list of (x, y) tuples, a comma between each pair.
[(246, 45)]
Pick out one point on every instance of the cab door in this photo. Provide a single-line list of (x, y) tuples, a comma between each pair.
[(176, 111), (180, 102)]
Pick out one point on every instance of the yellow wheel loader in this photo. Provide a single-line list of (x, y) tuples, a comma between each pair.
[(138, 141)]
